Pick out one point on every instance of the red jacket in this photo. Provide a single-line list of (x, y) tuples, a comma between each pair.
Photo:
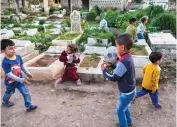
[(63, 58)]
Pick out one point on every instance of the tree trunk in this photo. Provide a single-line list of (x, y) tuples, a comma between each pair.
[(46, 7), (17, 7), (23, 3)]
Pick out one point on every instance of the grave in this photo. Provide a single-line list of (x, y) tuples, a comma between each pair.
[(94, 50), (6, 34), (56, 49), (46, 66), (141, 60), (32, 32), (75, 21), (89, 69), (67, 40), (165, 43)]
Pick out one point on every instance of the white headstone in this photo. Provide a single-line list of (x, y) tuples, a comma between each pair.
[(75, 21), (91, 41), (95, 49), (103, 24), (56, 49), (31, 32)]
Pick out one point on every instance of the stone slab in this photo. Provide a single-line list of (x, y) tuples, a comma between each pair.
[(65, 42), (29, 47), (162, 39), (95, 49), (56, 49), (32, 32), (6, 34), (91, 74), (45, 73)]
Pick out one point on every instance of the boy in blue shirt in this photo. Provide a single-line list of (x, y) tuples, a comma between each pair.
[(12, 65), (124, 75)]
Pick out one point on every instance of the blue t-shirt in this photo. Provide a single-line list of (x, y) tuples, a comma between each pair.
[(13, 66)]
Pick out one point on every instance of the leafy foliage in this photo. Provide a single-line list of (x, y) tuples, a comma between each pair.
[(165, 21)]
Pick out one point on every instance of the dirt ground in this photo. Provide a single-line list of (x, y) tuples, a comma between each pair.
[(91, 105)]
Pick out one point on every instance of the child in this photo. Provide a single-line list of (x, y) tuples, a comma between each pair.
[(151, 78), (70, 60), (142, 28), (12, 65), (131, 29), (124, 75)]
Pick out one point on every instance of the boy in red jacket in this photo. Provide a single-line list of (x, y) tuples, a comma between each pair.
[(70, 60)]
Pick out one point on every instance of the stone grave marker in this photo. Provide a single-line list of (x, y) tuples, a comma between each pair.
[(95, 49), (75, 21), (56, 49)]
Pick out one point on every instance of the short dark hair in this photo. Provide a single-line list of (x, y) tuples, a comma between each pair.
[(155, 56), (126, 40), (73, 47), (5, 43), (131, 20)]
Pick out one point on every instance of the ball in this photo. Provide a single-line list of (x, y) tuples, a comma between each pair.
[(110, 55)]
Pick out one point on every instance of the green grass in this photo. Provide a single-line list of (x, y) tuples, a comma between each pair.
[(68, 36), (139, 50)]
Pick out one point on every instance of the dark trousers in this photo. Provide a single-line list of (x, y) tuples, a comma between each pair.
[(153, 96), (70, 73)]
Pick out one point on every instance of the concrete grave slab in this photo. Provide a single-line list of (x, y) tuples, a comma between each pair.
[(50, 72), (56, 49), (95, 49)]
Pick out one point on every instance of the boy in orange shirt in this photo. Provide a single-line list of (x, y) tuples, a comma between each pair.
[(151, 79)]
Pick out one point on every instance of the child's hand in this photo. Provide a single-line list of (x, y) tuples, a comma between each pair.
[(103, 67), (107, 64), (30, 76), (27, 82)]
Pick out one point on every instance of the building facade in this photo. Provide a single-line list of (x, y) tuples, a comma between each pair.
[(89, 4)]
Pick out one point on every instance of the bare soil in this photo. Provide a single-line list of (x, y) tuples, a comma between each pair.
[(45, 61), (90, 62), (91, 105)]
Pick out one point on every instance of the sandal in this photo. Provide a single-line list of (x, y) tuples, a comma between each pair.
[(31, 108)]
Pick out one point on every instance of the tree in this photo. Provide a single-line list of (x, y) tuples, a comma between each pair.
[(23, 3), (17, 7)]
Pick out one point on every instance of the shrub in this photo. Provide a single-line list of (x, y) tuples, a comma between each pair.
[(91, 15), (165, 21), (154, 10), (51, 10), (97, 10), (40, 28), (67, 22), (6, 12), (42, 21)]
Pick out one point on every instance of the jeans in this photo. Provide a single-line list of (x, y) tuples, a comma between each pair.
[(153, 96), (123, 108), (10, 89), (140, 36)]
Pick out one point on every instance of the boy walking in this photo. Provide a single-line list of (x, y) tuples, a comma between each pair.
[(131, 29), (151, 78), (12, 65), (124, 75)]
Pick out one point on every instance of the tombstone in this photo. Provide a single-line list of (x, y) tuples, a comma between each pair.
[(32, 32), (56, 49), (75, 21), (6, 34), (95, 50), (103, 24)]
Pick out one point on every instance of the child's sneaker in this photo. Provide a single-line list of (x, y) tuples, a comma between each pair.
[(8, 104), (157, 106), (78, 82), (59, 81), (31, 108)]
